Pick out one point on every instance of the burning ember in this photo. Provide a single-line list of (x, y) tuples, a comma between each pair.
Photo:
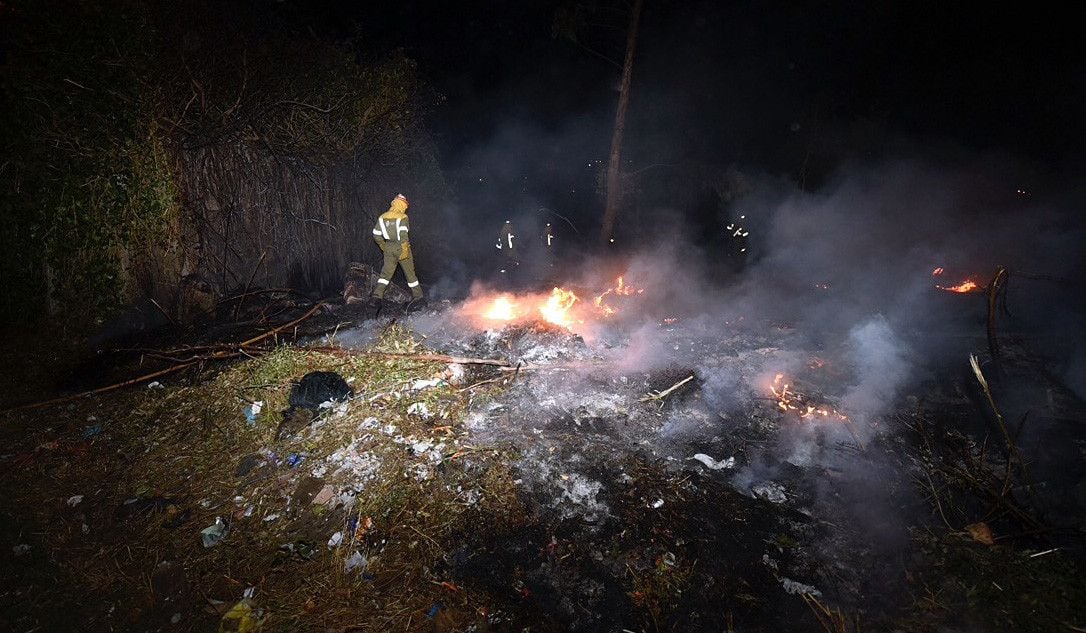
[(620, 290), (964, 287), (788, 400)]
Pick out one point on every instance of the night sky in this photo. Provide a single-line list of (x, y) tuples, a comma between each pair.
[(785, 88), (737, 77)]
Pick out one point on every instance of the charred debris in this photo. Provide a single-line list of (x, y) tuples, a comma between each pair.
[(442, 471)]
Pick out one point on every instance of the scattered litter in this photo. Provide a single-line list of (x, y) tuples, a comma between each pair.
[(293, 460), (243, 617), (252, 411), (336, 539), (298, 550), (434, 610), (270, 518), (713, 464), (420, 409), (155, 385), (1047, 551), (419, 385), (212, 534), (356, 561), (21, 549), (659, 503), (318, 387), (770, 491), (981, 533), (91, 431), (794, 588), (324, 495), (74, 500), (175, 618)]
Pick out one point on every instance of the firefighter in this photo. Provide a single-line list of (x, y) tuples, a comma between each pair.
[(548, 238), (392, 233), (736, 236), (549, 247), (507, 244)]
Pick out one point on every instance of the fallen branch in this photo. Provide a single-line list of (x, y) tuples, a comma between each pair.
[(279, 329), (440, 358), (145, 377), (224, 354), (660, 395)]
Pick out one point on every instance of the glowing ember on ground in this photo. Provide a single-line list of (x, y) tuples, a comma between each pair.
[(788, 400), (619, 290), (966, 286)]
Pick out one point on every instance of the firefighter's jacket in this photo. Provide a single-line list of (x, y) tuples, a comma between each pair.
[(393, 227), (507, 242)]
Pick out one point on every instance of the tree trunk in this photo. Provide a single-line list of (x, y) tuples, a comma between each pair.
[(614, 184)]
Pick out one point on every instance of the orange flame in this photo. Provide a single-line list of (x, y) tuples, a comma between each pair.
[(788, 400), (557, 308), (966, 286), (620, 289), (502, 309)]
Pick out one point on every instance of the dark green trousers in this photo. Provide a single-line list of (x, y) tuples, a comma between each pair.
[(392, 259)]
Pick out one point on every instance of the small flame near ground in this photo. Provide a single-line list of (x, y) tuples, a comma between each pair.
[(789, 400), (964, 287)]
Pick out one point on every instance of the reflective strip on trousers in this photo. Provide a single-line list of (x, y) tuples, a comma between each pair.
[(382, 281), (384, 231), (412, 284)]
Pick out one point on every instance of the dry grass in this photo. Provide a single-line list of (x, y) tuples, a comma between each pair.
[(183, 443)]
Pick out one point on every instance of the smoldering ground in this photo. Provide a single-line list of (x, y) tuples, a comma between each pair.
[(837, 296)]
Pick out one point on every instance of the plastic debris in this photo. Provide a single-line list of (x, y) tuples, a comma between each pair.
[(793, 587), (21, 549), (659, 503), (293, 460), (91, 431), (356, 561), (74, 500), (270, 518), (981, 533), (243, 617), (770, 491), (420, 409), (713, 464), (175, 618), (419, 385), (434, 610), (318, 387), (213, 534), (336, 539), (155, 385), (252, 411), (324, 496)]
